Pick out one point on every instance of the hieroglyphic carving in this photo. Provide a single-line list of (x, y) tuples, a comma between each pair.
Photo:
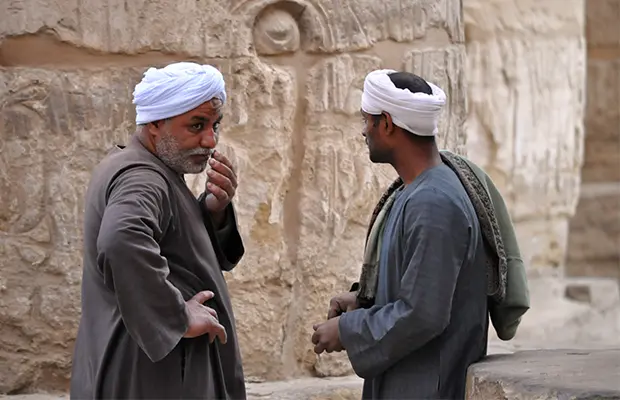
[(339, 187), (54, 127), (256, 136), (444, 67), (525, 124), (25, 220)]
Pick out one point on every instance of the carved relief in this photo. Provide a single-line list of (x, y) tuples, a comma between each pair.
[(271, 25), (444, 67), (25, 221), (276, 32)]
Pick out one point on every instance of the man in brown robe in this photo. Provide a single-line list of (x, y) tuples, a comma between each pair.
[(154, 253)]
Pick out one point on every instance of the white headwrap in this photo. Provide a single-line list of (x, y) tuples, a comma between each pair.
[(176, 89), (416, 112)]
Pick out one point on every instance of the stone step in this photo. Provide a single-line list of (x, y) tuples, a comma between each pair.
[(525, 375), (547, 375), (341, 388)]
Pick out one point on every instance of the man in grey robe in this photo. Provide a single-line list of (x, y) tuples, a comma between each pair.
[(154, 253), (429, 319)]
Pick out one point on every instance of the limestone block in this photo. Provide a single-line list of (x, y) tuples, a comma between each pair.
[(227, 29), (526, 86), (257, 137), (53, 128), (546, 375), (594, 242), (602, 28), (602, 149)]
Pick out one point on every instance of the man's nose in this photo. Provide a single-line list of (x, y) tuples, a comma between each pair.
[(209, 139)]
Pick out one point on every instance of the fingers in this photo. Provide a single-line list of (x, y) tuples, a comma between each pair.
[(203, 296), (220, 332), (217, 330), (219, 184), (226, 170), (315, 337), (212, 312), (319, 348), (226, 162), (334, 309), (319, 345), (221, 194)]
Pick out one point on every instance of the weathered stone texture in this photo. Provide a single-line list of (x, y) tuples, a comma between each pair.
[(546, 375), (292, 128), (594, 240), (602, 146), (526, 70), (225, 28)]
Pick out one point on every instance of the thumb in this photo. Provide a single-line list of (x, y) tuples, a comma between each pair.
[(203, 296)]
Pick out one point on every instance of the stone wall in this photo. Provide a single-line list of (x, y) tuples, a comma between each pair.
[(594, 242), (294, 71), (526, 94)]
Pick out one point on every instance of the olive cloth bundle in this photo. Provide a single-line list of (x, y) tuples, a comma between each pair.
[(507, 284)]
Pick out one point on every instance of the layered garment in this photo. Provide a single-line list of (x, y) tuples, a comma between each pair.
[(429, 319), (149, 245)]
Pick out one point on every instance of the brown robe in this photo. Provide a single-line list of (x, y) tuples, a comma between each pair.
[(149, 246)]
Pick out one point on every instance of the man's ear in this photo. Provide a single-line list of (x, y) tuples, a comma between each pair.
[(389, 125), (154, 128)]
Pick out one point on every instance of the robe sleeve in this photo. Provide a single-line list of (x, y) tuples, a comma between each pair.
[(435, 236), (227, 238), (136, 217)]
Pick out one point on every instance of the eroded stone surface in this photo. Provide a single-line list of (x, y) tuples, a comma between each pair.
[(292, 128), (542, 375), (327, 25), (594, 241), (526, 93)]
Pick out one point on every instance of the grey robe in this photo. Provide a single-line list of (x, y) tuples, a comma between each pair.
[(430, 318), (148, 247)]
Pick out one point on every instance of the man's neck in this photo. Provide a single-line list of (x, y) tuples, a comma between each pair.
[(411, 161)]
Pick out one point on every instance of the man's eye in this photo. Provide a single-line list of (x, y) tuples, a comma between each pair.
[(216, 126), (198, 127)]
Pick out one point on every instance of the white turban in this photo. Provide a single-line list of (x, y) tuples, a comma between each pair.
[(176, 89), (417, 113)]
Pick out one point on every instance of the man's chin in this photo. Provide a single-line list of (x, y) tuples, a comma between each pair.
[(198, 169)]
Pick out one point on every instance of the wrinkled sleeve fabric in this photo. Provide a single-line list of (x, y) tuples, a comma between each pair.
[(228, 241), (435, 236), (136, 216)]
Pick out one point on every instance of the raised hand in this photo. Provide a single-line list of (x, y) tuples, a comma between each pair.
[(221, 183)]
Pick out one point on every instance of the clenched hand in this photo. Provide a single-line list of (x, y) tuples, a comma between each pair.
[(221, 183), (342, 303)]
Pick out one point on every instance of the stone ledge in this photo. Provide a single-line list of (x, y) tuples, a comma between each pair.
[(547, 374), (341, 388), (525, 375)]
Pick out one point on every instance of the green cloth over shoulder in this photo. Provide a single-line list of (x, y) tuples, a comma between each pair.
[(507, 285)]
